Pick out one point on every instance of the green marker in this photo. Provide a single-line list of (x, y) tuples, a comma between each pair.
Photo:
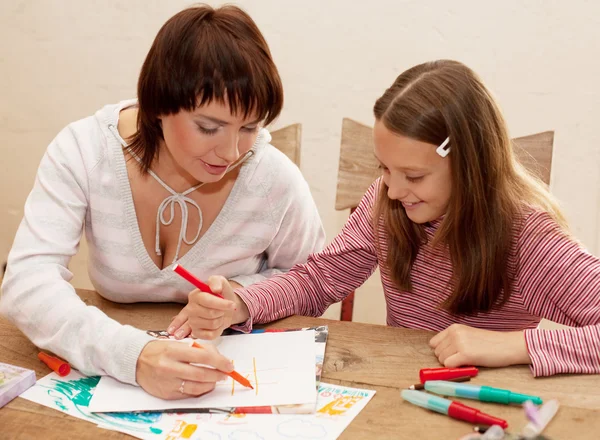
[(483, 393)]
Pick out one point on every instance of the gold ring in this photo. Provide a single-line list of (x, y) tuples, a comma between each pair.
[(181, 387)]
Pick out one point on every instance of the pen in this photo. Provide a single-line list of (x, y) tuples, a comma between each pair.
[(450, 408), (195, 281), (483, 393), (233, 374)]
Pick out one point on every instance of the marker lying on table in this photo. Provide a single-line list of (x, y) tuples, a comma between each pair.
[(195, 281), (233, 374), (450, 408), (544, 416), (483, 393), (420, 386), (426, 374), (59, 366)]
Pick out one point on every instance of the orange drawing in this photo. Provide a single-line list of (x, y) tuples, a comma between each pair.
[(255, 376), (339, 406), (182, 430), (246, 376)]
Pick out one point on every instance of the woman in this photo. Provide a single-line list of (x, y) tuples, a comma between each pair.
[(184, 175)]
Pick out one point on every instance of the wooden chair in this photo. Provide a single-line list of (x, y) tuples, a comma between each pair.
[(358, 168), (287, 140)]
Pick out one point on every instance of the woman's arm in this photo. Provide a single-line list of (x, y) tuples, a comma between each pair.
[(36, 294)]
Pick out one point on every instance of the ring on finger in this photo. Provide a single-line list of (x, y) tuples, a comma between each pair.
[(182, 386)]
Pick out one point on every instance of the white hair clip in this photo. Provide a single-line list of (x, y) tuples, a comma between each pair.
[(441, 150)]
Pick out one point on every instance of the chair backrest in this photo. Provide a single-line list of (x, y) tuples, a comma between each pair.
[(358, 167), (287, 140)]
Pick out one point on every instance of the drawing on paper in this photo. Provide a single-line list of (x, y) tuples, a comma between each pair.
[(181, 430), (340, 405), (75, 394), (252, 377)]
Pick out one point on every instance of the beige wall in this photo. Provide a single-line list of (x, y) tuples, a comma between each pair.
[(62, 60)]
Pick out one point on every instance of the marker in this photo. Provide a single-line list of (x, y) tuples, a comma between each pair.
[(420, 386), (446, 373), (233, 374), (450, 408), (531, 411), (179, 270), (544, 415), (482, 393), (57, 365)]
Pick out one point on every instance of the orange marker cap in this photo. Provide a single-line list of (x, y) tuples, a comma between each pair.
[(59, 366)]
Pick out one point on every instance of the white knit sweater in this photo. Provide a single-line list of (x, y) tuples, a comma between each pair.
[(268, 223)]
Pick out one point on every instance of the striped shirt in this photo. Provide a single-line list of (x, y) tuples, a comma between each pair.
[(555, 278), (268, 223)]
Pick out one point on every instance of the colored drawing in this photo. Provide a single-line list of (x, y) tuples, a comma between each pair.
[(255, 376), (72, 395), (181, 430), (340, 405)]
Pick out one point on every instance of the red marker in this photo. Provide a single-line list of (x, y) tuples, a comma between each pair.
[(195, 281), (59, 366), (451, 408), (446, 373), (459, 411)]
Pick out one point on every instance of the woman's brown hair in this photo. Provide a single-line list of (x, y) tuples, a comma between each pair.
[(440, 99), (199, 55)]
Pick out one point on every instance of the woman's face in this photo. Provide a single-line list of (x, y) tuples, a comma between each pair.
[(205, 142)]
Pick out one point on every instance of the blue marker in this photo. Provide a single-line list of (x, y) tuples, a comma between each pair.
[(482, 393)]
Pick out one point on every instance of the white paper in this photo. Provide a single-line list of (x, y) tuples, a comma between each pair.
[(337, 406), (280, 366)]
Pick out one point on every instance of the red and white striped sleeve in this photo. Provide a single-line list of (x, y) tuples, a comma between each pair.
[(326, 278), (560, 281)]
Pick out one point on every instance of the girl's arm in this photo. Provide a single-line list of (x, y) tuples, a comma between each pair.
[(559, 281), (326, 278)]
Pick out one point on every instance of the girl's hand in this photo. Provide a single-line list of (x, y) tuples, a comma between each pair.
[(461, 345), (163, 369), (206, 316)]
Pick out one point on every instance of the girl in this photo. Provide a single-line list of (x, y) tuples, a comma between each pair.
[(469, 244), (185, 174)]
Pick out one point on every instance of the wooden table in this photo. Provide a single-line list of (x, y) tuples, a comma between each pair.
[(375, 357)]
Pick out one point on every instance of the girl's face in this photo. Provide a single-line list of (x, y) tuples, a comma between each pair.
[(415, 174), (205, 142)]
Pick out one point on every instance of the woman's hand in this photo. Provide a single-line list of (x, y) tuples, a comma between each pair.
[(164, 369), (206, 316), (461, 345)]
